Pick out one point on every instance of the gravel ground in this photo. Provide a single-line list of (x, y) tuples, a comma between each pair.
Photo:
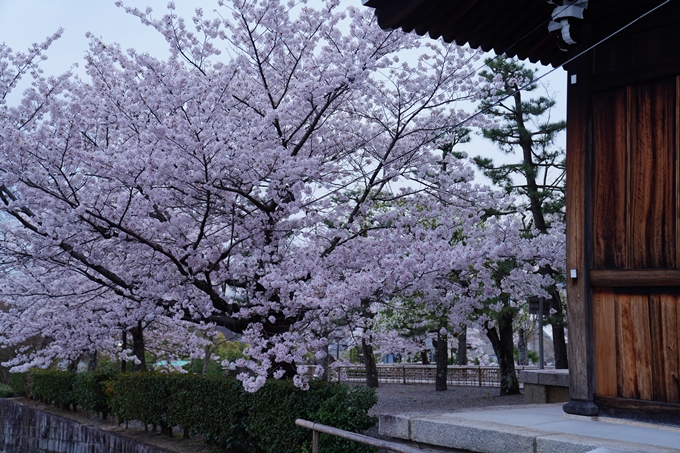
[(421, 398)]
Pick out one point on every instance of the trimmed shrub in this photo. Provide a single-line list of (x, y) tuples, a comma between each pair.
[(218, 408), (205, 405), (6, 391), (345, 408), (273, 409), (89, 391), (141, 396), (19, 383), (53, 387)]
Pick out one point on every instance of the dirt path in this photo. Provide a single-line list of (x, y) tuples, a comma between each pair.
[(399, 398)]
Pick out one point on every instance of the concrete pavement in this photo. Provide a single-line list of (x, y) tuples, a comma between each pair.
[(543, 428)]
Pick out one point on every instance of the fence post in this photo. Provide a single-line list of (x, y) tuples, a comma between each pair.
[(315, 441), (403, 374), (479, 373)]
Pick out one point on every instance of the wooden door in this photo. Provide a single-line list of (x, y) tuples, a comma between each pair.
[(636, 241)]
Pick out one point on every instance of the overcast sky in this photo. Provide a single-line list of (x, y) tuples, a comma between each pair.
[(23, 22)]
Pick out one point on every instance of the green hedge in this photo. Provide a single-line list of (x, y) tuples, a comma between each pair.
[(89, 391), (6, 391), (215, 407), (19, 383), (53, 387), (272, 411)]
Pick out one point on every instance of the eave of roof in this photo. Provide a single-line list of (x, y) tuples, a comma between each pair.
[(517, 28)]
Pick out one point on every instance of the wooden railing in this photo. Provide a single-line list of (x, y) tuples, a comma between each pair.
[(476, 376), (360, 438)]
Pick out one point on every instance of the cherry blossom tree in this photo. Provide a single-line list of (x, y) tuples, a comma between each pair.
[(275, 173)]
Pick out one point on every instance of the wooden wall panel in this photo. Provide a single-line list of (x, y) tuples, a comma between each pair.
[(656, 351), (637, 352), (669, 357), (635, 271), (652, 175), (633, 347), (677, 171), (674, 332), (626, 376), (642, 345), (610, 133), (635, 176), (604, 308)]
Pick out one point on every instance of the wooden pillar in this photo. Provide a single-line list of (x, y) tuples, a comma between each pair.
[(579, 232)]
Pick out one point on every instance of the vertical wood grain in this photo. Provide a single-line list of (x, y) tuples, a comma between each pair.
[(677, 171), (610, 133), (626, 375), (652, 175), (670, 347), (579, 227), (675, 332), (642, 345), (633, 362), (657, 346), (604, 310)]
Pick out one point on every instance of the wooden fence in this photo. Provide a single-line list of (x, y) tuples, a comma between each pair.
[(359, 438), (477, 376)]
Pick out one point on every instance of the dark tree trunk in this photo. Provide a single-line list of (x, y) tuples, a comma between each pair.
[(327, 360), (503, 345), (442, 362), (462, 347), (369, 365), (138, 346), (289, 370), (207, 353), (92, 361), (123, 363), (425, 357), (558, 322), (73, 365), (522, 357)]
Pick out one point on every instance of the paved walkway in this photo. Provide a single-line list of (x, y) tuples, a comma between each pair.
[(530, 429)]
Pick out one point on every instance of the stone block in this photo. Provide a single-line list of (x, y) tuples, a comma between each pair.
[(568, 443), (535, 394), (605, 450), (398, 426), (563, 444), (557, 394), (473, 435), (528, 376), (558, 378)]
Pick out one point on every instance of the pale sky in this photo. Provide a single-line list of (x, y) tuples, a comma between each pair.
[(23, 22)]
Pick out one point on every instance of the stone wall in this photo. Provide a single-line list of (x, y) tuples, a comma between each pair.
[(25, 429)]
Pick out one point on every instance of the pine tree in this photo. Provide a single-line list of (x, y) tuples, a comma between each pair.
[(538, 177)]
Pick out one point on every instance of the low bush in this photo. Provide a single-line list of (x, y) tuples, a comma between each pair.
[(53, 387), (6, 391), (218, 408), (89, 391), (205, 405), (272, 411), (141, 396), (19, 383), (345, 408)]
